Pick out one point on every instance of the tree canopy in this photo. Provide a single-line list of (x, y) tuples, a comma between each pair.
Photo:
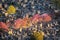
[(56, 3)]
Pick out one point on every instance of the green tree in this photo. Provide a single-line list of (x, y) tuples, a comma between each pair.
[(56, 3)]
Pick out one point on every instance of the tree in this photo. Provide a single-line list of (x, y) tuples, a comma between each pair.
[(56, 3)]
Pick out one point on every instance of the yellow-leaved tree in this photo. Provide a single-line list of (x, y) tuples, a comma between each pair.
[(37, 36), (11, 9)]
